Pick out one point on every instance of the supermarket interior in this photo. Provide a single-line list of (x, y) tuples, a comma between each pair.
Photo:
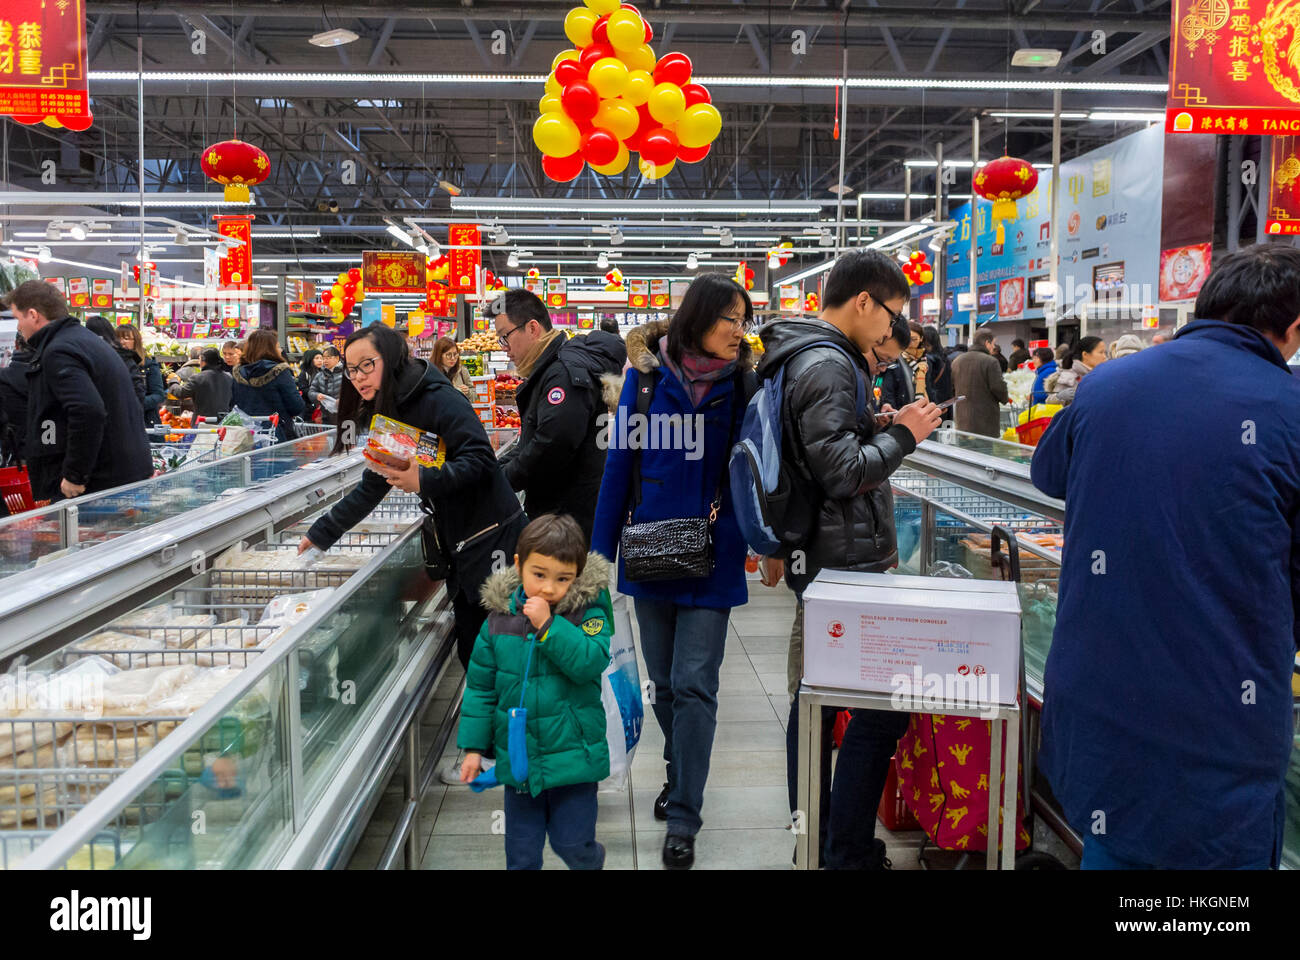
[(252, 636)]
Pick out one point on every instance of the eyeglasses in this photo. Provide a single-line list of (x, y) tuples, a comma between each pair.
[(744, 323), (894, 317), (504, 339), (363, 369)]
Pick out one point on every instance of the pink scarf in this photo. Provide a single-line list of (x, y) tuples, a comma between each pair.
[(698, 371)]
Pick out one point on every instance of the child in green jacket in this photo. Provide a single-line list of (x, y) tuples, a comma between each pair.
[(550, 615)]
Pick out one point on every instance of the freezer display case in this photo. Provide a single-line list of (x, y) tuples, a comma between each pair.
[(243, 712), (949, 496)]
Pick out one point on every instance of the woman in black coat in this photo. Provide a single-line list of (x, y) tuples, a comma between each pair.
[(155, 391), (308, 367), (101, 328), (264, 384)]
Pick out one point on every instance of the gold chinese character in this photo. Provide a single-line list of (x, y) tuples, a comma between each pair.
[(1101, 170), (1232, 123), (1218, 123), (6, 59), (1240, 70), (1241, 4), (29, 36), (1241, 23), (6, 32), (1238, 46), (1243, 123), (29, 62)]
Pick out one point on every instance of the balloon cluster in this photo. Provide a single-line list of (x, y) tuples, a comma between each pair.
[(609, 97), (345, 294), (918, 269), (779, 256), (534, 273), (744, 275), (614, 281), (812, 303)]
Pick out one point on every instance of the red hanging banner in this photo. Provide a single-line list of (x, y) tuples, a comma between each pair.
[(43, 63), (1234, 67), (237, 265), (1284, 188), (464, 258)]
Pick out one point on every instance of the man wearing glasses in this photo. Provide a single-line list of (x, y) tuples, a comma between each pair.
[(557, 462)]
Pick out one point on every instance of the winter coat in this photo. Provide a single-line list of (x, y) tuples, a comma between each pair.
[(565, 730), (210, 391), (849, 460), (265, 388), (673, 485), (1039, 392), (84, 422), (327, 383), (460, 379), (476, 514), (1018, 356), (1168, 616), (306, 371), (977, 376), (155, 391), (939, 379), (1125, 346), (134, 370), (1062, 390), (13, 404), (559, 461), (897, 385), (190, 368)]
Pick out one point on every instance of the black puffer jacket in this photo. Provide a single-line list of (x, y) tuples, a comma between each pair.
[(558, 462), (476, 513), (849, 460)]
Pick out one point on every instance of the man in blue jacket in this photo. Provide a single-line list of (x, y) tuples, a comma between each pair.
[(1167, 720)]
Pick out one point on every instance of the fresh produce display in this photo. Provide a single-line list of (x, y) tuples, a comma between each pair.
[(506, 418), (485, 341), (1019, 385), (506, 386)]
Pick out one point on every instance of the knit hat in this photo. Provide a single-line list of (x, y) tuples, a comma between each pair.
[(1125, 345)]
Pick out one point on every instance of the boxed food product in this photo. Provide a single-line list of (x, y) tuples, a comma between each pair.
[(394, 445), (890, 634)]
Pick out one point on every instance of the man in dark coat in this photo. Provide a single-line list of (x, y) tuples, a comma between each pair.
[(977, 376), (559, 460), (84, 428), (1167, 718), (1019, 354), (210, 388)]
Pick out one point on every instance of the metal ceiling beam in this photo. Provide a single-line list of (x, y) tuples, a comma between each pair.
[(381, 42), (1135, 47)]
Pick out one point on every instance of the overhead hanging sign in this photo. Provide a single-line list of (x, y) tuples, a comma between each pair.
[(660, 294), (557, 292), (1234, 67), (791, 297), (78, 292), (396, 271), (1284, 188), (534, 285), (43, 63), (464, 258), (101, 294), (638, 294), (442, 302), (237, 265)]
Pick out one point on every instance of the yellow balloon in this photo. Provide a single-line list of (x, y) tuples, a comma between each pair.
[(618, 165), (608, 76), (626, 30), (562, 56), (342, 278), (699, 126), (336, 304), (639, 87), (602, 7), (553, 87), (667, 103), (618, 117), (642, 58), (577, 26), (360, 294), (656, 171), (551, 103), (556, 135)]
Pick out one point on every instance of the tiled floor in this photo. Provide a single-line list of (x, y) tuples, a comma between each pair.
[(746, 811)]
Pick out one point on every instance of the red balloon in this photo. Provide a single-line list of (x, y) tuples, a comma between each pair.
[(600, 32), (673, 68), (634, 9), (693, 154), (348, 304), (568, 71), (649, 31), (354, 275), (659, 146), (580, 100), (647, 124), (600, 147), (593, 52), (694, 93), (350, 288), (563, 169)]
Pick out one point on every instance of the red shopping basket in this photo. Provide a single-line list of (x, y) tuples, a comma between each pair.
[(16, 489), (894, 812), (1031, 432)]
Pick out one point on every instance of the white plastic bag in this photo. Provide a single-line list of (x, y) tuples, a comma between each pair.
[(620, 692)]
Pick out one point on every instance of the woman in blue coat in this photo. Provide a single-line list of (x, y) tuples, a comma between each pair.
[(1046, 367), (264, 384), (700, 372)]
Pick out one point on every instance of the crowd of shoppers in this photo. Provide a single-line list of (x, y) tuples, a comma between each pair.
[(210, 389), (264, 384)]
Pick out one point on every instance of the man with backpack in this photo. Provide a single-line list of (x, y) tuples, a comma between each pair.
[(840, 511)]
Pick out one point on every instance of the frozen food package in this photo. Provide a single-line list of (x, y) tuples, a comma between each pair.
[(137, 648), (287, 609), (134, 692), (393, 445), (105, 745), (201, 687), (154, 616), (178, 630)]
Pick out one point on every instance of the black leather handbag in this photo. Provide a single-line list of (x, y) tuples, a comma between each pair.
[(437, 564)]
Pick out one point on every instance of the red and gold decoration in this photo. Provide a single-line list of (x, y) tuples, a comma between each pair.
[(348, 290), (464, 239), (638, 294), (1234, 67), (235, 165), (812, 303), (236, 268), (43, 63), (918, 270), (393, 271), (101, 294), (744, 275), (779, 256), (614, 281), (660, 294), (1004, 181), (1284, 189), (610, 97)]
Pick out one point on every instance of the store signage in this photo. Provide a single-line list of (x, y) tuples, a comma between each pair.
[(415, 323), (1233, 67), (59, 284), (101, 294), (1284, 188), (236, 268), (678, 290), (638, 294), (557, 292), (43, 63), (1183, 271), (586, 321), (464, 258), (660, 294), (397, 271), (790, 296), (370, 312), (1011, 298), (534, 285), (442, 301), (79, 292)]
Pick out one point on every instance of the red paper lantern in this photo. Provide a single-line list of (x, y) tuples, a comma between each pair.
[(235, 165), (1004, 181)]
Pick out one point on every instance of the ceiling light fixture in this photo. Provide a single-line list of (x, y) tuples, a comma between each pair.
[(53, 231), (658, 208), (333, 38), (181, 237), (602, 261), (43, 254), (692, 261), (1035, 57), (78, 231), (1037, 114), (512, 261), (1127, 116)]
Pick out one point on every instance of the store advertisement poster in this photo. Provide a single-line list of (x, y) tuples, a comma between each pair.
[(660, 294), (211, 267), (1011, 299), (791, 297), (1183, 271), (534, 285), (43, 63), (463, 258), (1234, 67), (638, 294), (1187, 206), (236, 270), (59, 284), (415, 322), (79, 292), (1284, 188), (557, 292), (677, 293), (101, 294), (370, 311), (397, 271)]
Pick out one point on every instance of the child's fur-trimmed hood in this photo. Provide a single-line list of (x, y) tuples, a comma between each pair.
[(501, 586)]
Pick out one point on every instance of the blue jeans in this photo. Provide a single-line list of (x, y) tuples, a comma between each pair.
[(568, 814), (683, 649)]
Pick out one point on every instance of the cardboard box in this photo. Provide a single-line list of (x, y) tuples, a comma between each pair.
[(895, 634), (484, 389)]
